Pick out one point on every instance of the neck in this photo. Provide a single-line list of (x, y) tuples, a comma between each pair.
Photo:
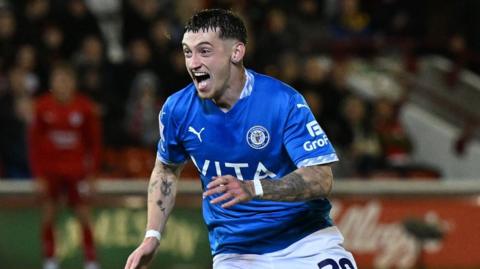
[(233, 89)]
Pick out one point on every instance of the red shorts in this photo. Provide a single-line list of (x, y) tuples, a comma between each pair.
[(76, 190)]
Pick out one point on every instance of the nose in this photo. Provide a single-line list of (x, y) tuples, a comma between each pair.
[(194, 61)]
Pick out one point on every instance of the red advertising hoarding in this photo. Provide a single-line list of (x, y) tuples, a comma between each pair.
[(374, 231)]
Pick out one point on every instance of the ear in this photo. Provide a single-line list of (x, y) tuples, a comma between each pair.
[(238, 52)]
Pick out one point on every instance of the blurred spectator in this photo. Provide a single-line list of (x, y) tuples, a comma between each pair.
[(350, 22), (138, 16), (53, 49), (362, 147), (142, 110), (65, 155), (15, 116), (109, 18), (290, 69), (164, 43), (315, 102), (312, 85), (139, 59), (27, 62), (176, 77), (334, 91), (96, 80), (279, 37), (396, 144), (311, 26), (399, 18), (8, 36), (77, 23), (161, 37), (33, 19), (20, 88), (92, 70), (92, 67)]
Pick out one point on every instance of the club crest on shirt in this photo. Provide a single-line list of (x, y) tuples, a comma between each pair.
[(75, 118), (258, 137)]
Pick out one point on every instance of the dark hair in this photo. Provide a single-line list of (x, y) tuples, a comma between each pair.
[(64, 68), (229, 24)]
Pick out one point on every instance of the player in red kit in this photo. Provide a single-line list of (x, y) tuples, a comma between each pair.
[(65, 144)]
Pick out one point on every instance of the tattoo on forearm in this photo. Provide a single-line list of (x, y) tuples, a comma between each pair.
[(160, 205), (245, 187), (166, 187), (152, 186), (297, 187), (293, 188)]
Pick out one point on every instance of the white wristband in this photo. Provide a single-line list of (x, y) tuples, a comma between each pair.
[(257, 185), (153, 233)]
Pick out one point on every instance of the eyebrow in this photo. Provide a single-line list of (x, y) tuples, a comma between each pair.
[(199, 44)]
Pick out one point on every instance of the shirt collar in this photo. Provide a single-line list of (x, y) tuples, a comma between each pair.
[(248, 87)]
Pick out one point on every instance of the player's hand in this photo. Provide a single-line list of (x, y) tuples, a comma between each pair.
[(143, 255), (238, 191)]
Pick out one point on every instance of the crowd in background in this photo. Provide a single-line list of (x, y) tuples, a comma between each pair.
[(128, 59)]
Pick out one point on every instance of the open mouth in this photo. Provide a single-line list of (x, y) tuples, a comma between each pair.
[(201, 76)]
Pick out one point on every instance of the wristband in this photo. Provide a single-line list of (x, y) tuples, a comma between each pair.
[(153, 233), (257, 185)]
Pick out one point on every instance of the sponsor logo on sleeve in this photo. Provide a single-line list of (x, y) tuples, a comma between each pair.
[(320, 138)]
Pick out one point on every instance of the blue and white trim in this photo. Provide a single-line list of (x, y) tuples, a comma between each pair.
[(247, 89), (330, 158)]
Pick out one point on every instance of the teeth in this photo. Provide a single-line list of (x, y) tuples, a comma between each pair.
[(200, 74)]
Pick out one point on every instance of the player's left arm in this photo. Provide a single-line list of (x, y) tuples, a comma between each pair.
[(303, 184)]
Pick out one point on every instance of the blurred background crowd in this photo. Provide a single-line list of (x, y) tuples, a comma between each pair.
[(128, 59)]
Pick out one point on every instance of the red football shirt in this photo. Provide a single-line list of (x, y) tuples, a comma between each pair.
[(65, 138)]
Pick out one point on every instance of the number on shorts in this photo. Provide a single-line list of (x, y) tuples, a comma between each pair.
[(343, 263)]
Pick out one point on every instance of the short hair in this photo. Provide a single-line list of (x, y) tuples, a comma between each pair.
[(229, 24), (65, 68)]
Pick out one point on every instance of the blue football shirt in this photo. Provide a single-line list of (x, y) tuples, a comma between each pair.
[(268, 133)]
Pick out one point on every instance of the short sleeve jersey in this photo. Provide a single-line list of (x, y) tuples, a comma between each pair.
[(268, 133)]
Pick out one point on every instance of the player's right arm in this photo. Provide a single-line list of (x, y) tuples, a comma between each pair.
[(162, 190)]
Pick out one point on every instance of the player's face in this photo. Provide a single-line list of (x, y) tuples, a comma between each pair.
[(207, 58), (63, 85)]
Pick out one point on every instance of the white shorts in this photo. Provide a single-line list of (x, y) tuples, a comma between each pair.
[(320, 250)]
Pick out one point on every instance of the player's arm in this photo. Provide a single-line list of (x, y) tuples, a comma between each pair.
[(305, 183), (162, 190)]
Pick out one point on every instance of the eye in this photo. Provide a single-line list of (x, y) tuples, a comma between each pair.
[(187, 53), (205, 51)]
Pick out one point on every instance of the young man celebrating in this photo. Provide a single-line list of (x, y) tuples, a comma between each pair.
[(264, 161)]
